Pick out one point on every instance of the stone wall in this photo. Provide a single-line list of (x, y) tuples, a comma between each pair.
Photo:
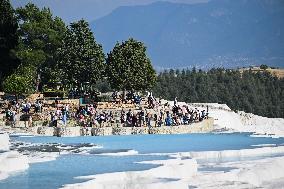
[(101, 131), (200, 127), (59, 131), (130, 130), (68, 131), (46, 131)]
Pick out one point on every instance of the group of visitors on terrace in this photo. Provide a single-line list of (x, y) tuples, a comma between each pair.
[(152, 114), (21, 109), (146, 111)]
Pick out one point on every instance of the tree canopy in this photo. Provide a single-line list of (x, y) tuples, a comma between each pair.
[(21, 81), (8, 39), (129, 68), (259, 93), (80, 58), (41, 36)]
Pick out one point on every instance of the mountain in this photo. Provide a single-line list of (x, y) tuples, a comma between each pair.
[(225, 33), (73, 10)]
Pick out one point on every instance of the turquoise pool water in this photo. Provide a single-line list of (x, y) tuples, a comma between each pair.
[(54, 174)]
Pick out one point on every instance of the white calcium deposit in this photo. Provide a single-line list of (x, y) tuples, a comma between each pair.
[(219, 156), (4, 142), (10, 161), (172, 173), (263, 173), (182, 172), (262, 125), (226, 119)]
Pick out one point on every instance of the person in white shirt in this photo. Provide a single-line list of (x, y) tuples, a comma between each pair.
[(175, 101)]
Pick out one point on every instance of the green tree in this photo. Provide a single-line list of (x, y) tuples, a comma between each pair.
[(129, 68), (41, 36), (8, 39), (21, 81), (81, 58)]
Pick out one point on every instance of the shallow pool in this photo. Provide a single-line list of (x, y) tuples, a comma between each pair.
[(54, 174)]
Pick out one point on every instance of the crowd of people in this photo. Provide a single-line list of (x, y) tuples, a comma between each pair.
[(153, 114), (127, 97), (147, 112), (20, 110), (162, 116)]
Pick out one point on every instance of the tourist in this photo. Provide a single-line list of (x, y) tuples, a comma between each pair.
[(175, 102), (156, 120), (168, 119), (64, 117), (67, 110), (186, 118), (17, 106), (137, 100), (141, 118), (160, 121), (151, 101), (25, 108), (28, 105), (123, 117), (14, 114), (110, 117), (129, 117), (134, 120), (8, 115), (37, 107), (148, 119), (114, 96), (203, 115), (55, 118), (30, 121)]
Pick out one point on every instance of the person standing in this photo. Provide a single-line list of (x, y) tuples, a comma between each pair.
[(148, 119), (134, 120), (168, 119), (64, 117), (175, 101), (30, 122), (141, 118), (13, 118), (39, 107), (29, 105), (55, 118)]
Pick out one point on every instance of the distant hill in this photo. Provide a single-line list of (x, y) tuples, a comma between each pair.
[(273, 71), (227, 33)]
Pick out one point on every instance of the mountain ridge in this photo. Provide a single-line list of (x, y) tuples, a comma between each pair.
[(219, 33)]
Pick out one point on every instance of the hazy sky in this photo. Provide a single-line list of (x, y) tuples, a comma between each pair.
[(71, 10)]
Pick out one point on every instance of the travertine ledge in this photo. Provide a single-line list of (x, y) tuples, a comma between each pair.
[(199, 127)]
